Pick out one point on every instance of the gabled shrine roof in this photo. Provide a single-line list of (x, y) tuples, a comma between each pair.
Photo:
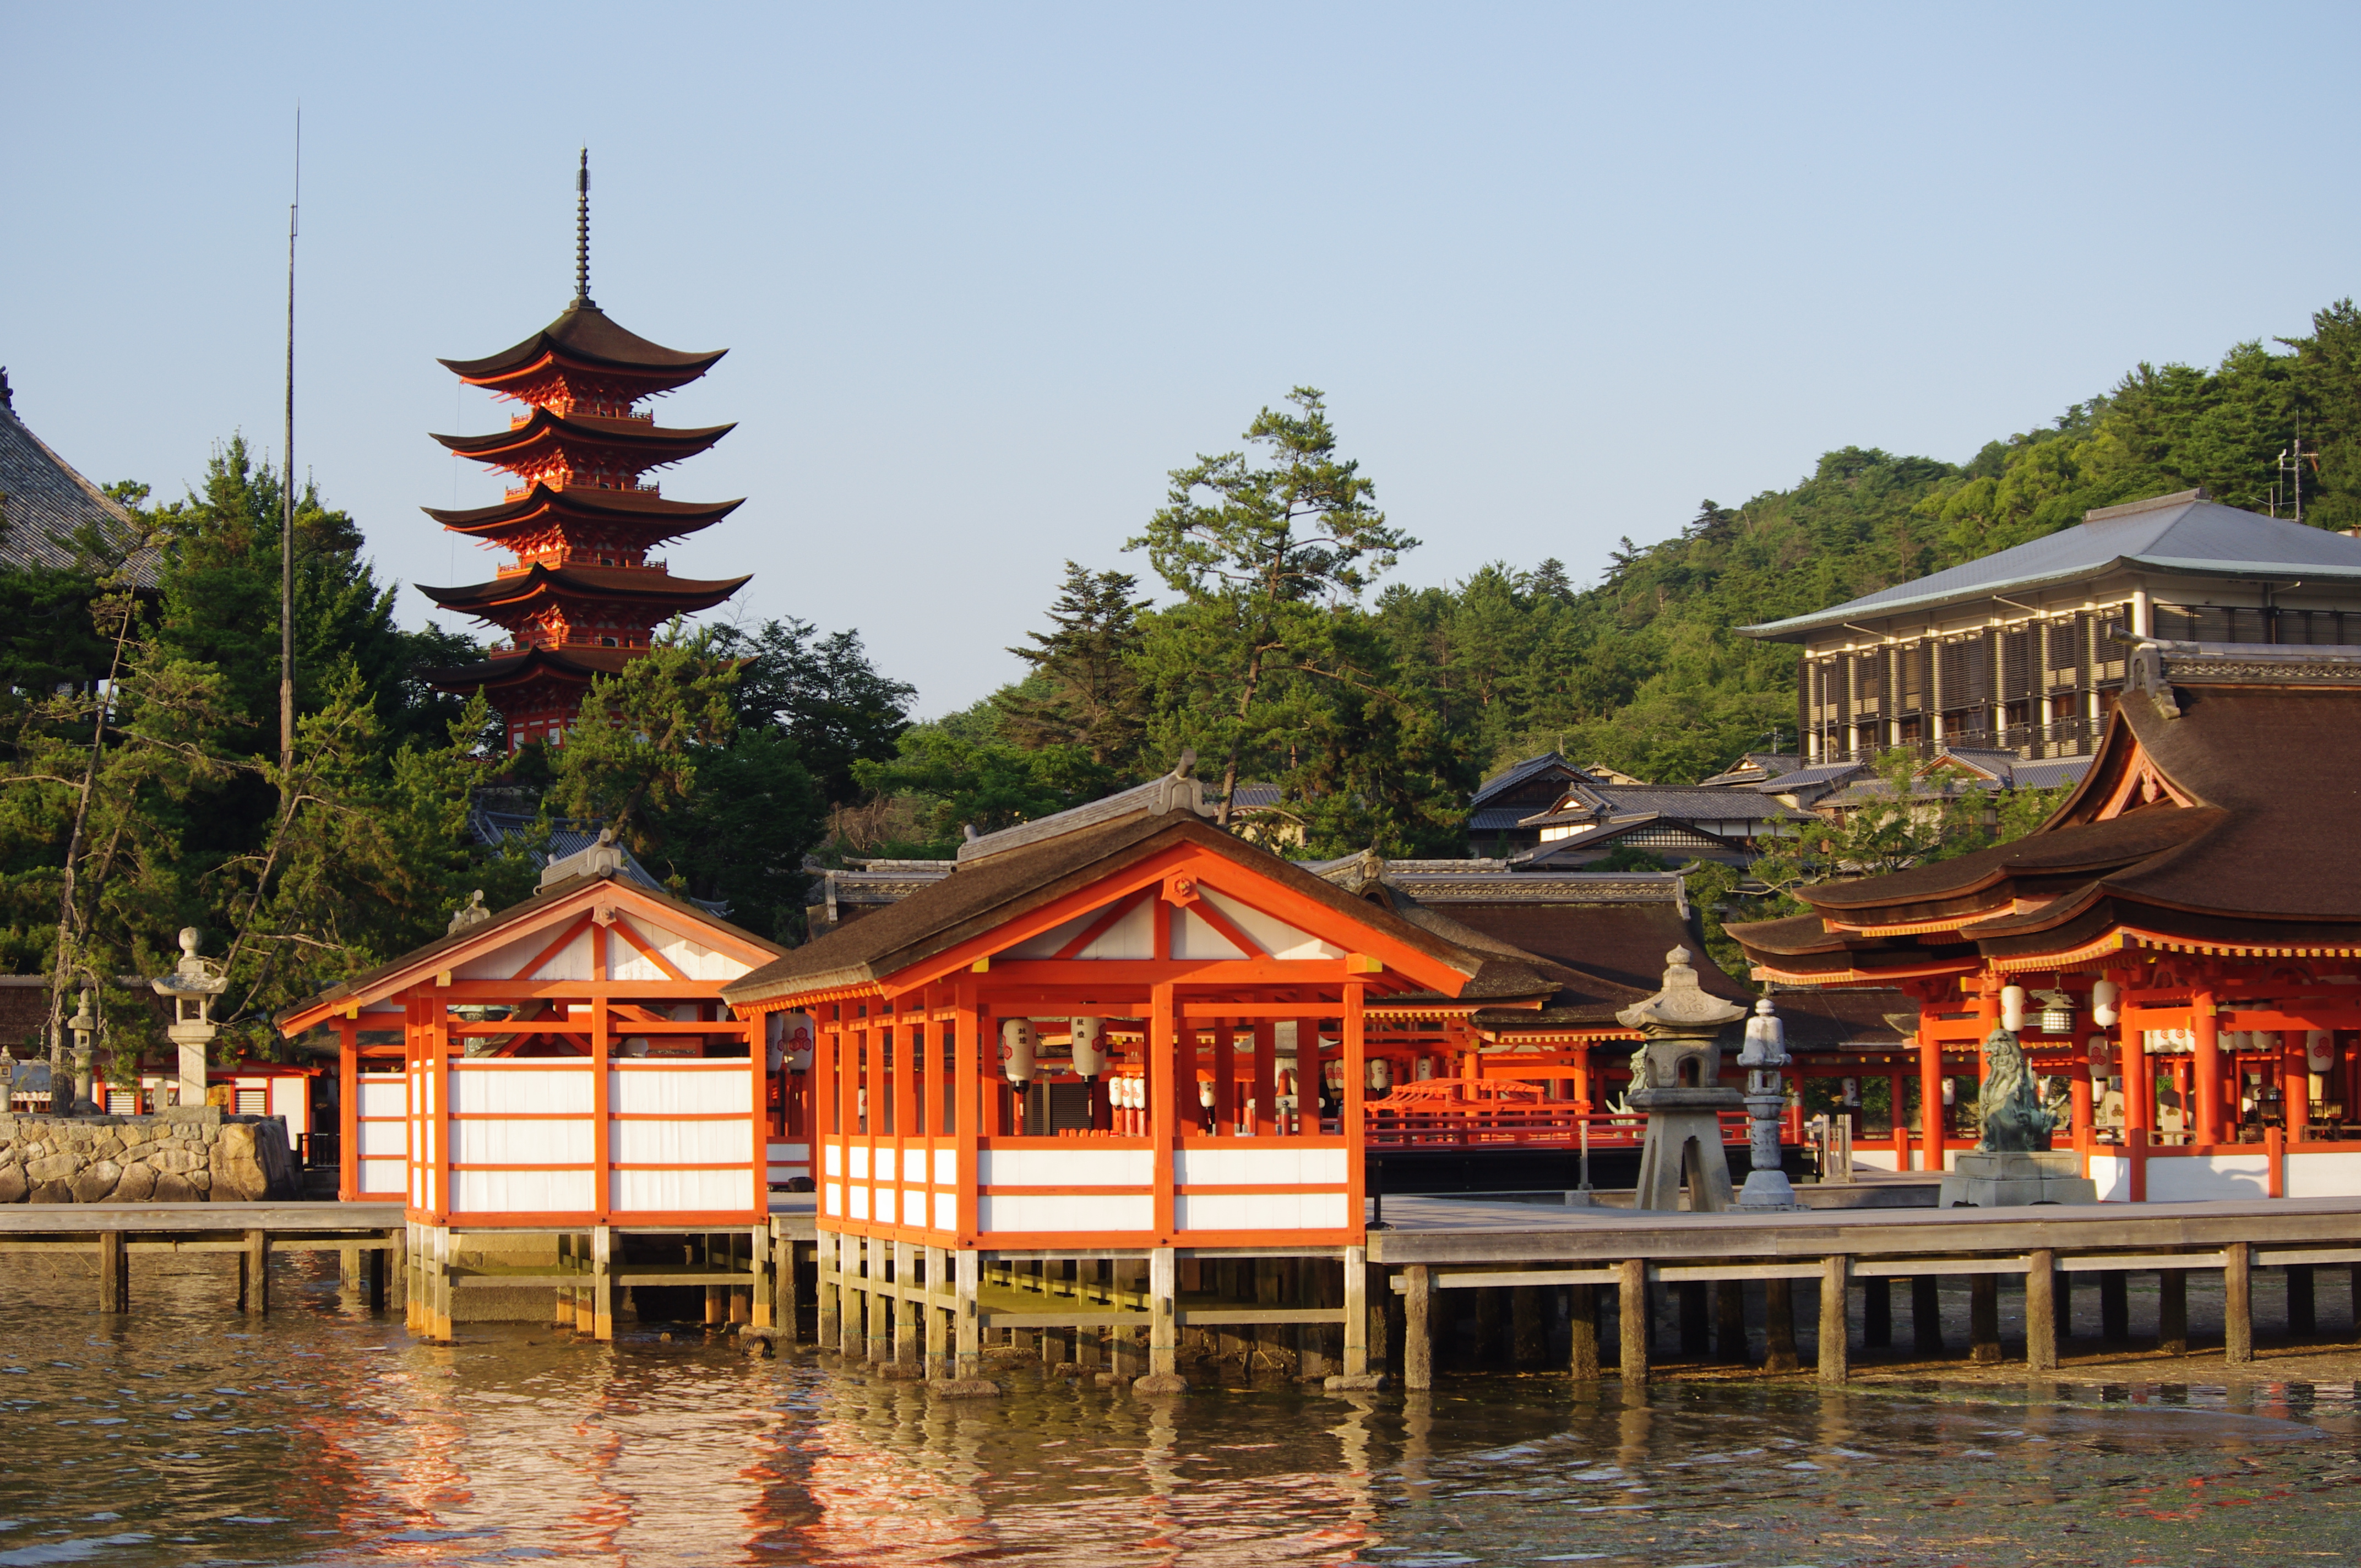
[(585, 333), (986, 895), (559, 900), (1531, 769)]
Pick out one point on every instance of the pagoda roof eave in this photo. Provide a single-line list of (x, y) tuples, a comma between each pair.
[(585, 334), (592, 582), (590, 504), (506, 670), (649, 443)]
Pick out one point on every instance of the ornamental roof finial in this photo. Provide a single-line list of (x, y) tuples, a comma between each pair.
[(582, 232)]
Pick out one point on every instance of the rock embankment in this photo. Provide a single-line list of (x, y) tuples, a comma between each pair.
[(193, 1154)]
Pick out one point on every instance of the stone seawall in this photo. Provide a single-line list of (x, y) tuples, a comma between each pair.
[(192, 1155)]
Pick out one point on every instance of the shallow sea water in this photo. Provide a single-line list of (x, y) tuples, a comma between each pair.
[(183, 1434)]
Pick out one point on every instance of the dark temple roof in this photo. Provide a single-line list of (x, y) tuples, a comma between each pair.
[(642, 442), (572, 664), (2223, 807), (584, 332), (2185, 533), (43, 500)]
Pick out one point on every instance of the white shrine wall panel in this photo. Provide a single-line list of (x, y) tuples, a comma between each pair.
[(832, 1159), (681, 1143), (1078, 1211), (383, 1096), (1065, 1168), (681, 1087), (884, 1164), (946, 1211), (1259, 1210), (1259, 1168), (485, 1141), (2188, 1179), (2323, 1174), (522, 1191), (681, 1191), (1278, 938), (570, 962), (945, 1167), (1193, 938), (1132, 937), (383, 1178), (490, 1088), (831, 1198)]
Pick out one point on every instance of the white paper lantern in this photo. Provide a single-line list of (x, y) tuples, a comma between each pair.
[(2011, 1008), (1089, 1055), (2103, 997), (2319, 1051), (1019, 1041)]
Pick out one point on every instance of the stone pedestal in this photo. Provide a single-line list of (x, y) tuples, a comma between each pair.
[(1985, 1179)]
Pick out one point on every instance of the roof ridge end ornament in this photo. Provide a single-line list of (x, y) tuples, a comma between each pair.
[(582, 234), (2144, 671), (1180, 790)]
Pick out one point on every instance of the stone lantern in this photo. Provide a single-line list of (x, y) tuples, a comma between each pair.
[(1767, 1188), (193, 985), (84, 1025), (1676, 1078)]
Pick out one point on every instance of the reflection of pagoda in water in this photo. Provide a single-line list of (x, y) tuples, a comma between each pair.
[(581, 599)]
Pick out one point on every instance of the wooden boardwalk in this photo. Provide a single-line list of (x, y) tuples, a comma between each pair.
[(1435, 1244), (364, 1235)]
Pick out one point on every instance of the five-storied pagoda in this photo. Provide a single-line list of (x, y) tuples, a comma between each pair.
[(581, 599)]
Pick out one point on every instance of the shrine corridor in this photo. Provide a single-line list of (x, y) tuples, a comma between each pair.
[(183, 1432)]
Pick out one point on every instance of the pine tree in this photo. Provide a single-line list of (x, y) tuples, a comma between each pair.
[(1084, 690)]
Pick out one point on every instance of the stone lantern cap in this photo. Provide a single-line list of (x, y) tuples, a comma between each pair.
[(193, 985), (1683, 1006)]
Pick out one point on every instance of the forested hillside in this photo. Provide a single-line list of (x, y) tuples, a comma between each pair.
[(1288, 658)]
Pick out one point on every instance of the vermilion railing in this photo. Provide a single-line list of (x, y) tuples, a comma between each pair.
[(1517, 1126)]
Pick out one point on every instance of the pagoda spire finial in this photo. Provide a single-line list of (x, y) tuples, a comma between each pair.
[(582, 232)]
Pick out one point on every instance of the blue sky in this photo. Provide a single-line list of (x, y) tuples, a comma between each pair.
[(987, 273)]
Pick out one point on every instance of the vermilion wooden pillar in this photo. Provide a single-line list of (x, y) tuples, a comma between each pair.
[(2207, 1089), (1930, 1087)]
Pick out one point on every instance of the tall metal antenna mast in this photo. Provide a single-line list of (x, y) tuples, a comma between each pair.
[(582, 233), (286, 501)]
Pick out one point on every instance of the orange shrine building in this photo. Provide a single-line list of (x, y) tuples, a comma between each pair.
[(2177, 948)]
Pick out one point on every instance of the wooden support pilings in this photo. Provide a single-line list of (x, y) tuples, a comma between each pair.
[(1835, 1362), (2172, 1311), (1631, 1329), (2237, 1304), (1582, 1328), (114, 1274), (1729, 1342), (2041, 1311), (1779, 1327), (1418, 1335), (1925, 1314), (1983, 1319)]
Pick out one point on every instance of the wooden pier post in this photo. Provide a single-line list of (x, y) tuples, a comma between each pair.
[(830, 1292), (1356, 1309), (376, 1261), (1983, 1319), (113, 1273), (879, 1321), (1836, 1363), (602, 1286), (1927, 1314), (1631, 1327), (586, 1304), (2114, 1306), (1417, 1336), (438, 1285), (2041, 1310), (934, 1322), (2301, 1319), (852, 1342), (1779, 1327), (1163, 1313), (1582, 1328), (967, 1322), (1876, 1312), (348, 1268), (2172, 1311), (411, 1313), (1730, 1322), (1528, 1342), (564, 1308), (2237, 1304), (254, 1275), (759, 1298)]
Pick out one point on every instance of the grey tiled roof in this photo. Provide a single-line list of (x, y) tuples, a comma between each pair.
[(42, 501), (2184, 533), (1509, 778), (1805, 778), (2050, 772), (492, 829)]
